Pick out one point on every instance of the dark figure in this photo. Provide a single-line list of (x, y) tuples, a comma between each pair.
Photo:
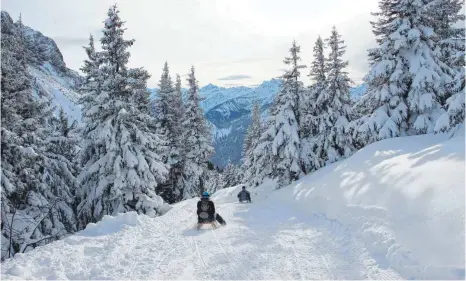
[(206, 211), (244, 195)]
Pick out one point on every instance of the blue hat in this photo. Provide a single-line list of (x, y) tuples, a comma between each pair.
[(205, 194)]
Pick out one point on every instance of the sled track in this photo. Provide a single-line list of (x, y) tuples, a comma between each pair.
[(278, 246), (225, 254), (206, 269)]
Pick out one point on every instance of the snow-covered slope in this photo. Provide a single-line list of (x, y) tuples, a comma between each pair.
[(60, 87), (51, 79), (403, 197), (393, 210)]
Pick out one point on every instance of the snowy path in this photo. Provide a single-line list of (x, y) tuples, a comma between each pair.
[(261, 241)]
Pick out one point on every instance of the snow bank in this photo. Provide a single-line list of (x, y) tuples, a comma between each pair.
[(110, 224), (404, 197)]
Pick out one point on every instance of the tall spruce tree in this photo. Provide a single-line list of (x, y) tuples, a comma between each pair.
[(447, 16), (231, 175), (405, 83), (279, 145), (312, 158), (197, 138), (250, 143), (121, 167), (169, 114), (178, 155), (334, 104)]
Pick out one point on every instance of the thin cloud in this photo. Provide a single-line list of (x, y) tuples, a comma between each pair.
[(235, 77), (71, 41)]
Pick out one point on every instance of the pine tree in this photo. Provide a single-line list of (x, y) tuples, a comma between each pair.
[(121, 167), (333, 105), (178, 156), (250, 143), (35, 204), (162, 105), (231, 175), (280, 143), (60, 170), (198, 141), (405, 83), (169, 113), (311, 157), (446, 14)]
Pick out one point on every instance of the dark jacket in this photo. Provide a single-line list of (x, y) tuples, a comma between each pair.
[(207, 206), (244, 195)]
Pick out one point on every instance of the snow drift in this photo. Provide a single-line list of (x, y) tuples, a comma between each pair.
[(404, 197)]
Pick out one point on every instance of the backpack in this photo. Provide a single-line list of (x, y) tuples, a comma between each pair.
[(205, 206)]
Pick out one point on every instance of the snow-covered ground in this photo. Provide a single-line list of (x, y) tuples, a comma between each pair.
[(393, 210)]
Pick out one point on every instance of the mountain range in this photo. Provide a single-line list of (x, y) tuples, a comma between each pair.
[(227, 110)]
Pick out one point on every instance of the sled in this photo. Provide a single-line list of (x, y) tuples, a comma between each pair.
[(211, 223), (244, 202)]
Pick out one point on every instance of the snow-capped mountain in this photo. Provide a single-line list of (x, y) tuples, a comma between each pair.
[(51, 78), (229, 111)]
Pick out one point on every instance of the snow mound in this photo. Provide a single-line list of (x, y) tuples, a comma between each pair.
[(404, 197), (109, 225)]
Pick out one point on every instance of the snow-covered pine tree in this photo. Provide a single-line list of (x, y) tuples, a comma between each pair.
[(197, 138), (214, 181), (253, 131), (333, 105), (121, 167), (92, 85), (20, 162), (162, 105), (231, 175), (405, 83), (447, 17), (59, 151), (169, 115), (178, 149), (311, 156), (278, 151), (250, 143), (33, 211)]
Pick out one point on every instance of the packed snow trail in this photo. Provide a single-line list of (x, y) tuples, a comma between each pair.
[(395, 209), (260, 241)]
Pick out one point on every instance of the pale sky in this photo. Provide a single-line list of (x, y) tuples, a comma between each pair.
[(229, 42)]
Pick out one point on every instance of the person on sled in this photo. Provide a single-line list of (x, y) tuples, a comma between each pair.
[(244, 195), (206, 211)]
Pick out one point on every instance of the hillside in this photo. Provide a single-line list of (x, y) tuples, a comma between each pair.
[(51, 79), (375, 215)]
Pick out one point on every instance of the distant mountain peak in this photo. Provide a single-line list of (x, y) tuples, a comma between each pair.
[(209, 87)]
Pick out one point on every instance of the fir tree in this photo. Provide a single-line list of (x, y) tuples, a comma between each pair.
[(333, 104), (169, 112), (121, 167), (198, 141), (311, 156), (178, 149), (446, 16), (60, 170), (36, 188), (231, 175), (278, 151), (250, 143), (405, 83)]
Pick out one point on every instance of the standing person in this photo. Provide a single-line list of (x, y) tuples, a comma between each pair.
[(244, 195), (206, 211)]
